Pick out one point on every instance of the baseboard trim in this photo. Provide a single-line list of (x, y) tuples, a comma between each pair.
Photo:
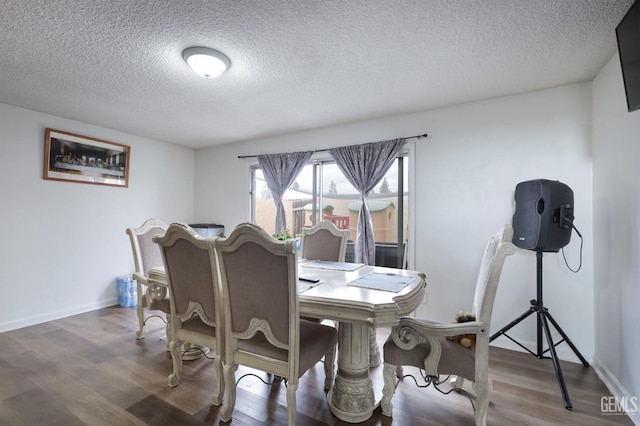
[(55, 315), (615, 387)]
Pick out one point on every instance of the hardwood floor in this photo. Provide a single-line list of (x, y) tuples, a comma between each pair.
[(90, 370)]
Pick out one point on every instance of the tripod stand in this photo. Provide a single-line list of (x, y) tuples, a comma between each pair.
[(543, 315)]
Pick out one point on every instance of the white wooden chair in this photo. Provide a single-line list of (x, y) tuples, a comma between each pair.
[(423, 343), (264, 331), (146, 255), (196, 312), (324, 241)]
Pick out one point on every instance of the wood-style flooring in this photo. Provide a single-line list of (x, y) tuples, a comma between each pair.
[(89, 369)]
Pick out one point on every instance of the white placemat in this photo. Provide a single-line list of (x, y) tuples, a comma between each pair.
[(336, 266), (384, 282)]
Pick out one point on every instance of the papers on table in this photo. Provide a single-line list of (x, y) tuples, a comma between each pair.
[(384, 282), (336, 266)]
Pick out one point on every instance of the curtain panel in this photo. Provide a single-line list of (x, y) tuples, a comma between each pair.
[(280, 170), (364, 166)]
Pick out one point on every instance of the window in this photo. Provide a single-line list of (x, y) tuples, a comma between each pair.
[(321, 191)]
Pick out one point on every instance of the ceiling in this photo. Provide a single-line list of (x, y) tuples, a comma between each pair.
[(296, 65)]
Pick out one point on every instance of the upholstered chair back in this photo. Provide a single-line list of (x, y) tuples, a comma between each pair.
[(259, 282), (146, 254), (258, 287), (324, 242), (191, 270), (151, 256), (497, 250), (196, 316)]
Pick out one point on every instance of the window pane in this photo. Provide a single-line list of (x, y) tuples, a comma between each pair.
[(338, 197), (294, 200), (383, 206), (340, 203)]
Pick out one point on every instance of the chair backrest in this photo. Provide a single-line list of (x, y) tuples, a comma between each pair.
[(146, 254), (498, 248), (259, 284), (324, 241), (191, 270)]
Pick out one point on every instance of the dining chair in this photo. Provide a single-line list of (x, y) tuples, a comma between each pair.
[(423, 343), (196, 316), (146, 255), (263, 329), (324, 241)]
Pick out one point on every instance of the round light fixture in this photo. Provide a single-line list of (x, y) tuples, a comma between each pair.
[(206, 62)]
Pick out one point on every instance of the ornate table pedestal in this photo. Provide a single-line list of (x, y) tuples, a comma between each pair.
[(352, 398), (354, 395)]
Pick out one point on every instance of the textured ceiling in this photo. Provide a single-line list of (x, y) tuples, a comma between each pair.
[(296, 64)]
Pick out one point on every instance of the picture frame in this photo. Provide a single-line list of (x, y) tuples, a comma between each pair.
[(70, 157)]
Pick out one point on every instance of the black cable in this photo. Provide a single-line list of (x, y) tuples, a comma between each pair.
[(276, 379), (436, 381), (153, 316), (196, 349), (581, 244)]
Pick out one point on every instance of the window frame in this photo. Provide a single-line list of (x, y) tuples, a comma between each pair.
[(407, 156)]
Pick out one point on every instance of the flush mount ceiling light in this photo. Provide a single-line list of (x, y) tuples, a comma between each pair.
[(206, 62)]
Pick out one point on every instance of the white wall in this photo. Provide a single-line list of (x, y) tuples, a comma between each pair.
[(616, 155), (64, 243), (466, 173)]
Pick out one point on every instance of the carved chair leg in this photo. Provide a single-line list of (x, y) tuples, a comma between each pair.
[(174, 348), (230, 382), (329, 367), (218, 391), (291, 402), (140, 311), (388, 373), (168, 331), (482, 402)]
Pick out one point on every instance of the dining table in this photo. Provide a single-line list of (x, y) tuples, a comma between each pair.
[(357, 297)]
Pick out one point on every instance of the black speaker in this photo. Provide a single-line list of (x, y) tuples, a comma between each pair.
[(543, 219)]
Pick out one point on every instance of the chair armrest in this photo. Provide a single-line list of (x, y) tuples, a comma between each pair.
[(411, 332), (157, 277), (155, 290), (141, 279)]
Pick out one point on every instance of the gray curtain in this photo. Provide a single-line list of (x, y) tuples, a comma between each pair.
[(364, 166), (280, 170)]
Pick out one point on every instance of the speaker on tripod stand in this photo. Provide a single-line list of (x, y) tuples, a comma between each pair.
[(543, 222)]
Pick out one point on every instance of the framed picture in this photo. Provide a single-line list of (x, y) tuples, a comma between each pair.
[(75, 158)]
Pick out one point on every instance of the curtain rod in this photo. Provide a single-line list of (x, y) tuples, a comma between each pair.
[(324, 150)]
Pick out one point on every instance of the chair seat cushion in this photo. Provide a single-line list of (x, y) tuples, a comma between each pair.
[(197, 325), (160, 305), (315, 341), (455, 358)]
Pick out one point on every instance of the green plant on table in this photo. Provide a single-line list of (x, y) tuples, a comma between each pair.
[(282, 236)]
